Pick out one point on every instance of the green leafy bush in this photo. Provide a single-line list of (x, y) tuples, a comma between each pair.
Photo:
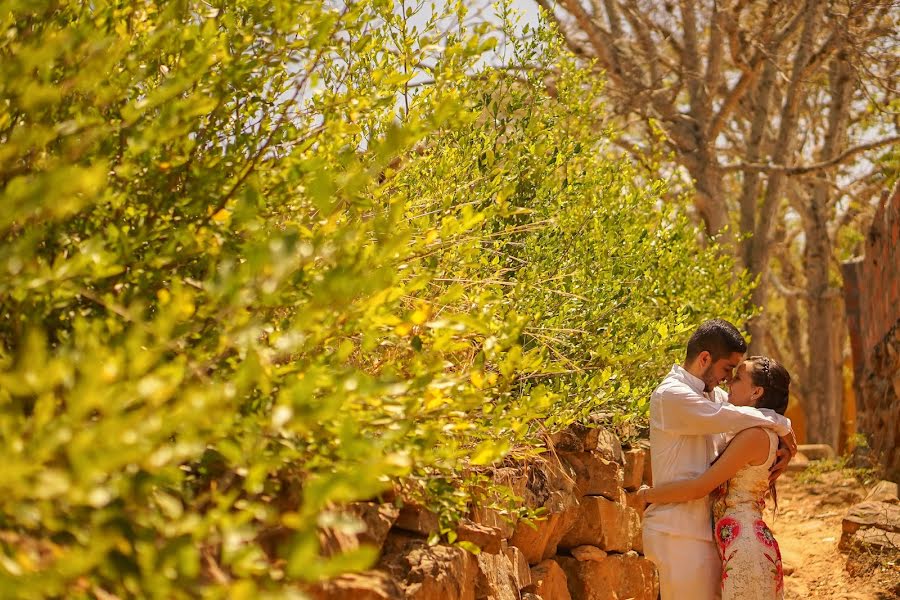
[(264, 258)]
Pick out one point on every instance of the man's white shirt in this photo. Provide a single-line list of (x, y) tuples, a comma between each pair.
[(688, 429)]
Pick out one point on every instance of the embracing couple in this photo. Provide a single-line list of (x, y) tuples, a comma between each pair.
[(714, 457)]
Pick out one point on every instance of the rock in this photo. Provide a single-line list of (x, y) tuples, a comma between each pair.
[(584, 553), (634, 469), (514, 479), (549, 581), (637, 538), (609, 446), (333, 541), (489, 517), (486, 538), (533, 539), (547, 475), (636, 530), (377, 518), (417, 519), (521, 571), (426, 572), (631, 501), (871, 525), (648, 467), (540, 540), (816, 451), (871, 540), (581, 438), (530, 596), (799, 463), (370, 585), (883, 491), (608, 525), (594, 475), (617, 577), (363, 523), (575, 438), (881, 515), (496, 578)]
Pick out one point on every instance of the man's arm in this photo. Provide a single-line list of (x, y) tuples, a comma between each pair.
[(747, 446), (685, 412)]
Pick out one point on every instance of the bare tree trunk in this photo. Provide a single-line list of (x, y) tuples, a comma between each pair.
[(824, 322), (784, 145), (823, 375)]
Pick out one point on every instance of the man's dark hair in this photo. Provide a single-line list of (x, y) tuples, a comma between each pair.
[(718, 337)]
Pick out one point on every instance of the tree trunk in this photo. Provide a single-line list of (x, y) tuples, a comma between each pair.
[(872, 299), (824, 323), (761, 250), (823, 383)]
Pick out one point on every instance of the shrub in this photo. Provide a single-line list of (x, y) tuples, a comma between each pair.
[(264, 258)]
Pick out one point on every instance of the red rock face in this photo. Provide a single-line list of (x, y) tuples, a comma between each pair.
[(425, 572), (872, 283), (584, 548), (872, 301), (359, 586), (594, 475), (608, 525), (634, 469), (539, 540), (615, 577), (550, 581)]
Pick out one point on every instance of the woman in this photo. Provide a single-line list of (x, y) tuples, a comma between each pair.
[(751, 560)]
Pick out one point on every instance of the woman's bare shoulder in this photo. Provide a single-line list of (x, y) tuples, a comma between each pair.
[(753, 440), (751, 435)]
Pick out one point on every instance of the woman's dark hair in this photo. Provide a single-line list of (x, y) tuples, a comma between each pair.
[(775, 381)]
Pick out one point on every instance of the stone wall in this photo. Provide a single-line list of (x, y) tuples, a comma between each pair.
[(872, 299), (587, 548)]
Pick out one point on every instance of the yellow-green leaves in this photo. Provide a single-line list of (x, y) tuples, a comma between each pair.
[(264, 259)]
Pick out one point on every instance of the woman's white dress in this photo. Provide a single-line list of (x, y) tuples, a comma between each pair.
[(751, 560)]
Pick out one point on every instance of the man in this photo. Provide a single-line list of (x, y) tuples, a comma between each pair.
[(689, 420)]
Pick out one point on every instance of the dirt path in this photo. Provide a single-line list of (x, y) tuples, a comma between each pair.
[(808, 529)]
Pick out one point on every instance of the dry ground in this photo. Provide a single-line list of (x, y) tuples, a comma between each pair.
[(808, 529)]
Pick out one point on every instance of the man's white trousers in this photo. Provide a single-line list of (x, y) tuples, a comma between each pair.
[(689, 569)]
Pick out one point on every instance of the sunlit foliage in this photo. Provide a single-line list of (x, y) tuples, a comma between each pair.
[(260, 259)]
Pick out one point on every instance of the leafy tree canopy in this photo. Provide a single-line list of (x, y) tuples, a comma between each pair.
[(264, 258)]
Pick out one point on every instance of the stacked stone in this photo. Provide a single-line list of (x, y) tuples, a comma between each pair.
[(588, 546)]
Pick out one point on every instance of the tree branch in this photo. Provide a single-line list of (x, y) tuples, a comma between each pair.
[(804, 169)]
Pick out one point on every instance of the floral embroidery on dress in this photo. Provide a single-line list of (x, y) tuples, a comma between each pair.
[(751, 559), (727, 529), (763, 533), (726, 568), (777, 569)]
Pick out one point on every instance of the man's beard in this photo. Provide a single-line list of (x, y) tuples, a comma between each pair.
[(708, 384)]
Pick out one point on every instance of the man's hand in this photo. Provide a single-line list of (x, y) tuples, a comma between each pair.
[(642, 498), (787, 449)]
